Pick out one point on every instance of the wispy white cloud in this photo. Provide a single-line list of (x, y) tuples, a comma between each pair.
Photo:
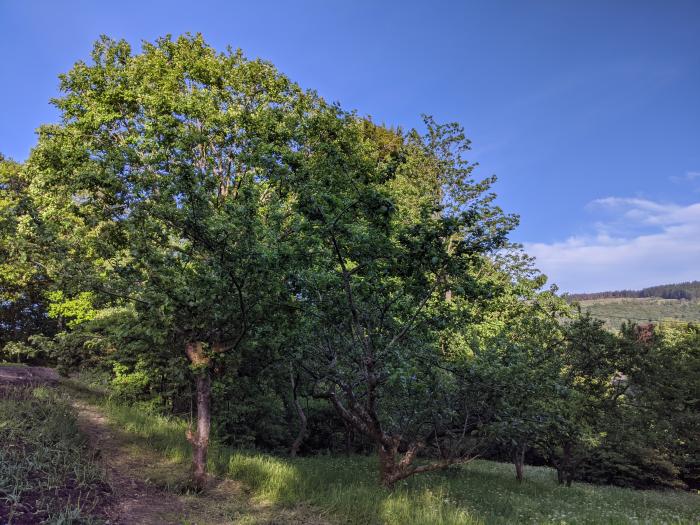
[(690, 176), (636, 243)]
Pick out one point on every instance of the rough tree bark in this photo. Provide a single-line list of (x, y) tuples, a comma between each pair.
[(519, 461), (560, 475), (569, 463), (302, 416), (200, 439)]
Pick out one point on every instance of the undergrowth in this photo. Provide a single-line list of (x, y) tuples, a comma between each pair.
[(46, 474)]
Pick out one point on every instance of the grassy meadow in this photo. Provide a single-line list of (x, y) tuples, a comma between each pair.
[(614, 311), (345, 489)]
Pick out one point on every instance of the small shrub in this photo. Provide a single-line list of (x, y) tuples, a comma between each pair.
[(130, 385)]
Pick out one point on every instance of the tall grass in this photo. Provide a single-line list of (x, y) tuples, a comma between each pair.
[(46, 476), (347, 491)]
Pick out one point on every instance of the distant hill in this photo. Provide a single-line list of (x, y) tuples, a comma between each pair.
[(664, 303), (616, 310), (689, 291)]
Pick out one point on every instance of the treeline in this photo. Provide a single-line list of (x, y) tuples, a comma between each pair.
[(689, 290), (220, 245)]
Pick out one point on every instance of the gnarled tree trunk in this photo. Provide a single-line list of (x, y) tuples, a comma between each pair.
[(387, 466), (395, 466)]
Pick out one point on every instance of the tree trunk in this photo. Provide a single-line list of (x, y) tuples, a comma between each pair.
[(519, 460), (568, 462), (348, 438), (302, 417), (388, 474), (560, 475), (200, 444), (394, 466), (200, 439)]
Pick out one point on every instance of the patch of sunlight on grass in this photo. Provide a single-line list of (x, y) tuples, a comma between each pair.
[(346, 489), (247, 520), (270, 478), (425, 506)]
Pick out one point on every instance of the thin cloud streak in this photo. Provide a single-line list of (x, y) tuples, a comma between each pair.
[(690, 176), (664, 249)]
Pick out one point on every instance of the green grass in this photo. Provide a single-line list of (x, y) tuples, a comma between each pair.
[(614, 311), (345, 490), (46, 475)]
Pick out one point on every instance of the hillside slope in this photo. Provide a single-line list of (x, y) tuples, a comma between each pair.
[(666, 303), (615, 311)]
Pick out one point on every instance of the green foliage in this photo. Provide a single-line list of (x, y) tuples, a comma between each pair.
[(398, 243), (196, 215), (164, 172), (38, 349), (646, 416), (76, 309), (130, 386), (23, 271), (16, 351)]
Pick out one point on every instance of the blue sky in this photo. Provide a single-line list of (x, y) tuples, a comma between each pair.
[(588, 112)]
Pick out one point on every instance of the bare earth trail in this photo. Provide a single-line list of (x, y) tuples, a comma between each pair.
[(131, 466), (133, 471), (27, 375), (135, 501)]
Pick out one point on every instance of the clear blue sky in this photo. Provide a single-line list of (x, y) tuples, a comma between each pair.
[(588, 111)]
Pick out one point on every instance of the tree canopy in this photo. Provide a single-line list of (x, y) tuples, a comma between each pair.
[(221, 244)]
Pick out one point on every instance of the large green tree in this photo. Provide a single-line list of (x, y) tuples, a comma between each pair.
[(399, 231), (167, 182)]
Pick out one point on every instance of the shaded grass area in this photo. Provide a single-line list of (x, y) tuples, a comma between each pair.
[(46, 473), (345, 489)]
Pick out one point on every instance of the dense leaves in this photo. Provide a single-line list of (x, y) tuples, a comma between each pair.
[(225, 247)]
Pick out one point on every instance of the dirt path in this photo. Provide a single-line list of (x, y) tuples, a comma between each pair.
[(27, 375), (147, 487), (135, 501), (135, 473)]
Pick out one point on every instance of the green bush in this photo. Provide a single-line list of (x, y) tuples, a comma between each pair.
[(17, 352), (130, 385)]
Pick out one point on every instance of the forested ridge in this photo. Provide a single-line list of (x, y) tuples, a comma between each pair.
[(215, 244), (687, 290)]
